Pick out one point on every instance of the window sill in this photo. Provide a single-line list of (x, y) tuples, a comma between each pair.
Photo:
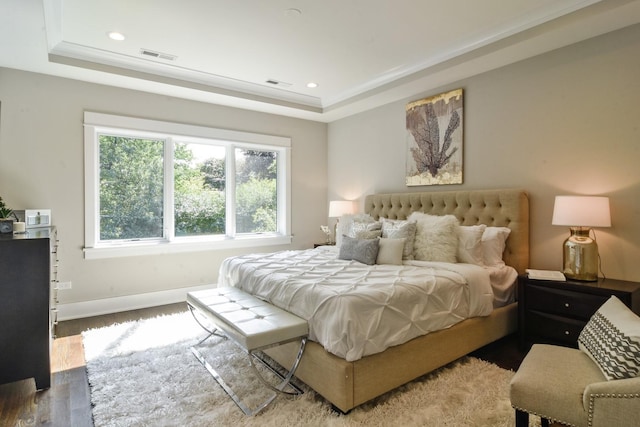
[(160, 248)]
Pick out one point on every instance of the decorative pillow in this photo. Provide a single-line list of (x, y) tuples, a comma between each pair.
[(397, 229), (436, 237), (361, 250), (364, 228), (366, 234), (390, 251), (493, 243), (611, 338), (344, 225), (470, 244)]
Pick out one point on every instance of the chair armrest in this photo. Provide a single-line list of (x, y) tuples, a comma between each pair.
[(615, 402)]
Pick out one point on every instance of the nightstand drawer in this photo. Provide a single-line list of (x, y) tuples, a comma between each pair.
[(563, 302), (556, 312), (545, 327)]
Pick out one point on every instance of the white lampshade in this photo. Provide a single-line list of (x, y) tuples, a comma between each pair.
[(581, 211), (337, 208)]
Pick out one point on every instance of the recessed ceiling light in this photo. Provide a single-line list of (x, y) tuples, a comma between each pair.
[(114, 35), (312, 84)]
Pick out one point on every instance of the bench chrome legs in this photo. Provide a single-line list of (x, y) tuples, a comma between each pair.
[(285, 380)]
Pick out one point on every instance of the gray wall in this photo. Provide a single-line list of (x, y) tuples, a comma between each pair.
[(41, 166), (566, 122)]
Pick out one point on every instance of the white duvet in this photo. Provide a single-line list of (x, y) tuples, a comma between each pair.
[(355, 310)]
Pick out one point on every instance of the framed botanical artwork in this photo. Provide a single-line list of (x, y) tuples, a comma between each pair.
[(434, 140)]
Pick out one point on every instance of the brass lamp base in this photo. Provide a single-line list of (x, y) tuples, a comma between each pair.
[(580, 255)]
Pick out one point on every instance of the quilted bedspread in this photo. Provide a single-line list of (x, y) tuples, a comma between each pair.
[(356, 310)]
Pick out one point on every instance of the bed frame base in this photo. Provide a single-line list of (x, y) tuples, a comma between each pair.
[(350, 384)]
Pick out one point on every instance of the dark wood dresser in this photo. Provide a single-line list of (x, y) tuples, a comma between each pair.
[(555, 312), (25, 286)]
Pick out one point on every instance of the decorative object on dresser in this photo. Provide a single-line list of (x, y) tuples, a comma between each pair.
[(338, 208), (434, 157), (580, 259), (25, 328), (555, 312)]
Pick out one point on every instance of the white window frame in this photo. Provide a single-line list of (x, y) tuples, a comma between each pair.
[(96, 123)]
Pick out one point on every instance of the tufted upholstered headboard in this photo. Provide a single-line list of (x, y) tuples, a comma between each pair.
[(499, 208)]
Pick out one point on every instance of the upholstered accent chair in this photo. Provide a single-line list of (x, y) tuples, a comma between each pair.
[(564, 385), (595, 385)]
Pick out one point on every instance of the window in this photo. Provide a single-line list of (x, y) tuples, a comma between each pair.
[(157, 187)]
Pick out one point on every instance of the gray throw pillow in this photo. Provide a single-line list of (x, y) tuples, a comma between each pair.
[(361, 250)]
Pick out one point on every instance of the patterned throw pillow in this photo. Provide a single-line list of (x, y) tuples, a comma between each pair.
[(361, 250), (365, 230), (345, 224), (611, 338), (365, 234), (398, 229)]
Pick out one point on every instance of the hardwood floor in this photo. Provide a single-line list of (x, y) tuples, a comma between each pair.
[(67, 403)]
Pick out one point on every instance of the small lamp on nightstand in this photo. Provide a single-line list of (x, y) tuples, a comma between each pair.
[(337, 208), (580, 251)]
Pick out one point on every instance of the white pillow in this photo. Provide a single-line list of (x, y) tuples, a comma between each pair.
[(470, 244), (611, 339), (436, 237), (390, 251), (493, 243), (398, 229)]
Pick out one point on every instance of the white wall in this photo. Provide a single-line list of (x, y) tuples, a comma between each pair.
[(567, 122), (41, 166)]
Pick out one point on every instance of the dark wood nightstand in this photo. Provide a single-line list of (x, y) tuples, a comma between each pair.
[(315, 245), (555, 312)]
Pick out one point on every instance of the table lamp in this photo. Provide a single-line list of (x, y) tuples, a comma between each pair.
[(337, 208), (580, 252)]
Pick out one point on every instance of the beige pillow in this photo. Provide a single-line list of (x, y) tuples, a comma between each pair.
[(390, 251)]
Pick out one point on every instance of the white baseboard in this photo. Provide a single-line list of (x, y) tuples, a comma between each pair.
[(78, 310)]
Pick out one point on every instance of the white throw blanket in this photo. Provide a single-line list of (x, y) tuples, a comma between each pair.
[(355, 310)]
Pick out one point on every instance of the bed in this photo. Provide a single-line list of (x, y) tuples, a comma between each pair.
[(348, 377)]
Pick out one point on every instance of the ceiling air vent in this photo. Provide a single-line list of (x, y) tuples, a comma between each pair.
[(278, 83), (158, 55)]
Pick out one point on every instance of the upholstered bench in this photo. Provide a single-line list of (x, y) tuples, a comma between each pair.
[(254, 325)]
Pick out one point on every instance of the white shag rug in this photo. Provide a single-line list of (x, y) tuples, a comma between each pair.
[(144, 374)]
